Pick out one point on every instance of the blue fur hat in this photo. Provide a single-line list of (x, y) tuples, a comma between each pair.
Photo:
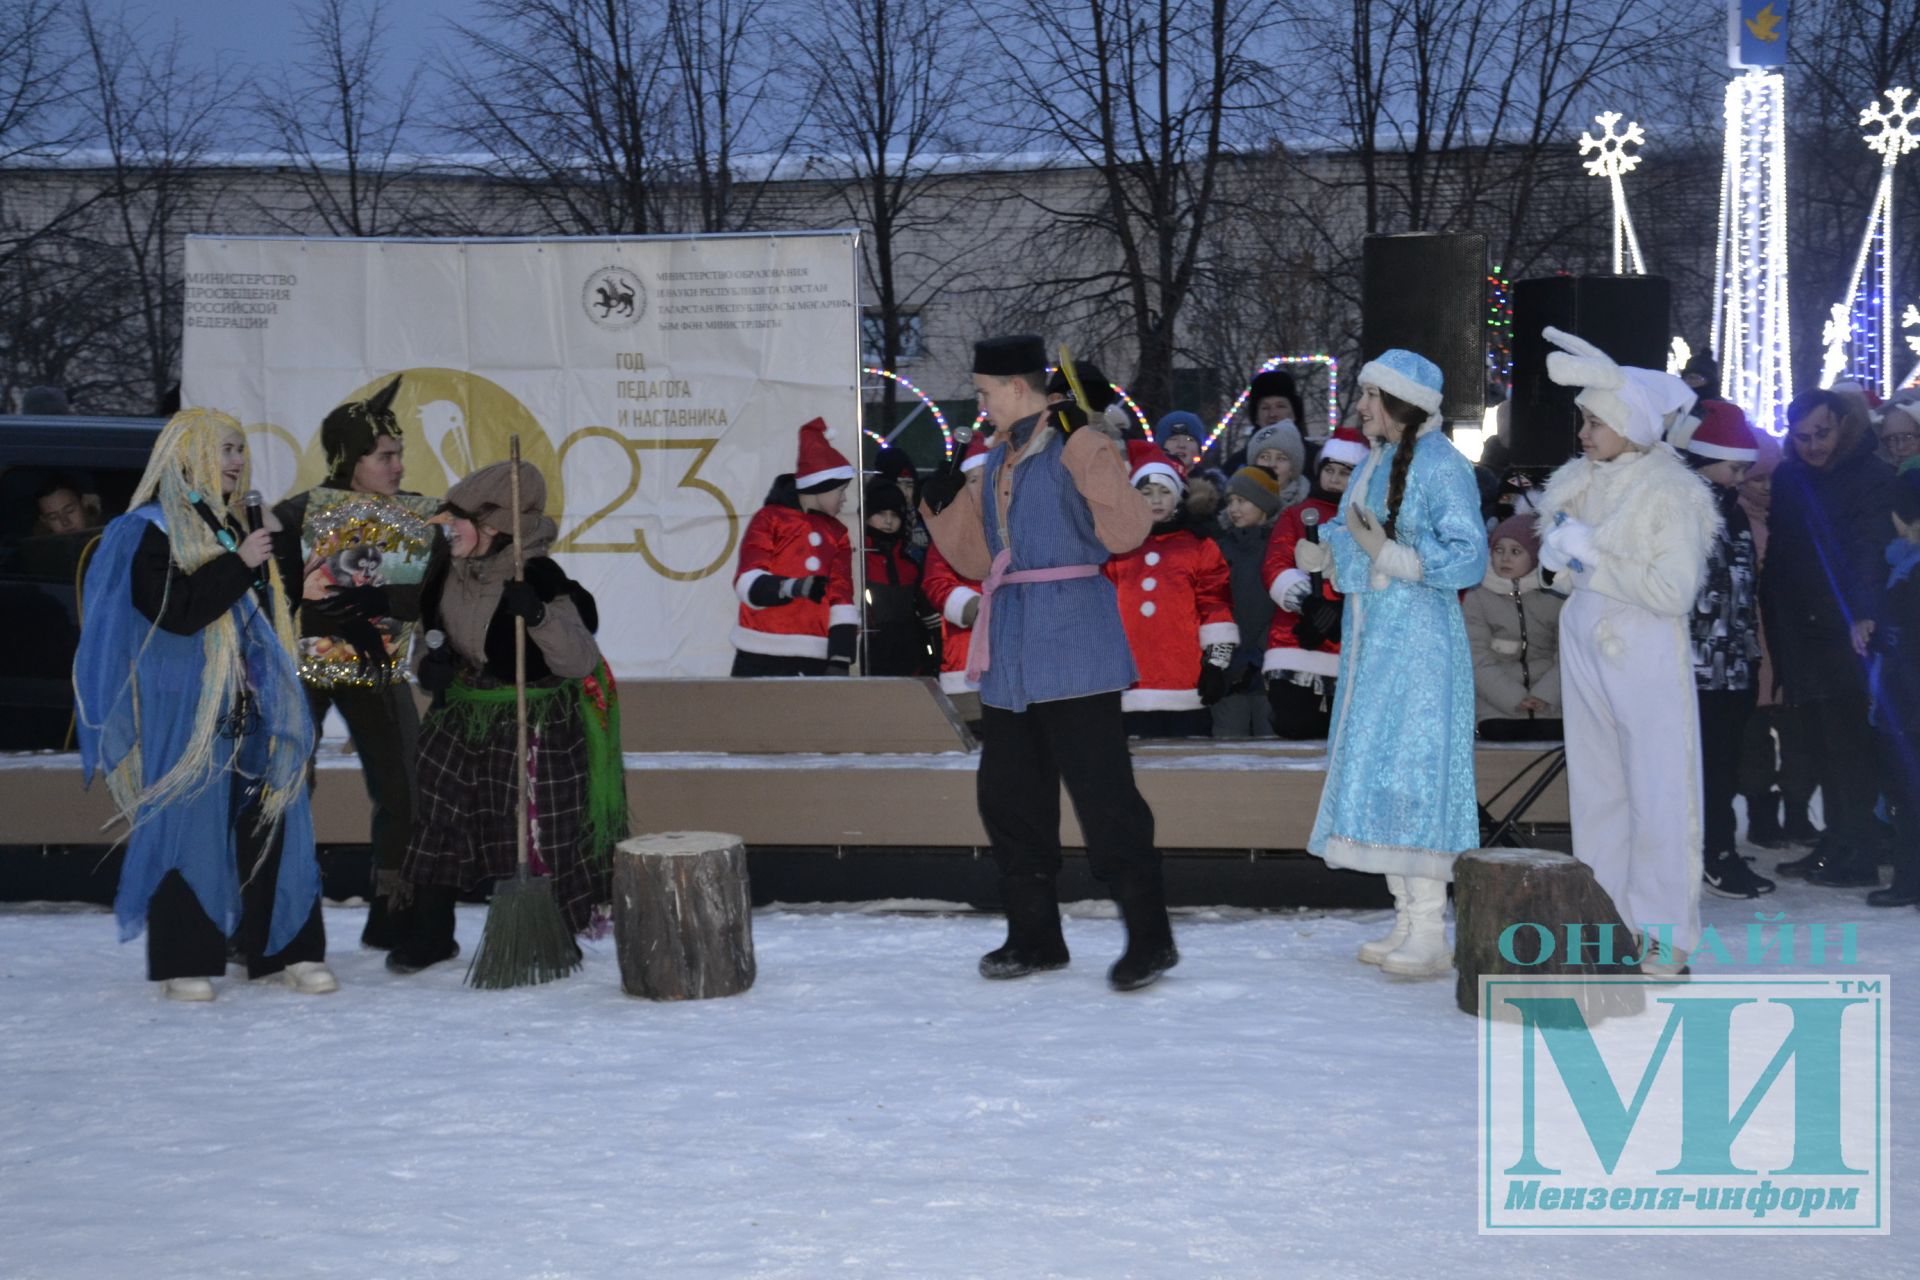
[(1406, 374)]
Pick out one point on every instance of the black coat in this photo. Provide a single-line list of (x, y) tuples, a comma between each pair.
[(1896, 645), (1827, 532)]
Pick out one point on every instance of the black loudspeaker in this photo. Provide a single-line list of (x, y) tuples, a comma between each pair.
[(1625, 316), (1428, 293)]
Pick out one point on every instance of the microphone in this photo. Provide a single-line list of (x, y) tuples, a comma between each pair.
[(1311, 519), (434, 639), (256, 520)]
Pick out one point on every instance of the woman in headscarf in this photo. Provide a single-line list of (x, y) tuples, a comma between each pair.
[(189, 704)]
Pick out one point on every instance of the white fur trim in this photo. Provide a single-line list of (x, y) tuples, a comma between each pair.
[(1160, 700), (779, 644), (1285, 581), (956, 607), (972, 462), (744, 583), (956, 682), (1388, 859), (1213, 633), (1149, 470), (1731, 453), (1395, 383), (1343, 451), (1398, 560), (1653, 523), (1316, 662), (813, 478), (841, 615)]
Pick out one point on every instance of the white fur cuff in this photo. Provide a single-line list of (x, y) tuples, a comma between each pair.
[(1398, 560)]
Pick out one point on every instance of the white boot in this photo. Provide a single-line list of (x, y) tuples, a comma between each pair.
[(1380, 948), (310, 977), (195, 989), (1425, 953)]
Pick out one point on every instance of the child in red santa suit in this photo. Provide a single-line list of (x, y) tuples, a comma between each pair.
[(1176, 603), (795, 580), (958, 600), (1303, 643)]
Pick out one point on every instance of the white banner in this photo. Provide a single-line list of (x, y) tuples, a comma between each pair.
[(659, 384)]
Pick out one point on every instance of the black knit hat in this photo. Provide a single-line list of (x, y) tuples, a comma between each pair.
[(1276, 382), (1010, 357), (349, 432), (885, 495)]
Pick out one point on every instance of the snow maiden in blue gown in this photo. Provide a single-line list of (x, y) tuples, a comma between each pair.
[(188, 702), (1399, 799)]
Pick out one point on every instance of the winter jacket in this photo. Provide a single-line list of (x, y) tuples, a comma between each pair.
[(1175, 601), (897, 640), (1513, 627), (1726, 616), (1826, 531), (1245, 551), (1895, 657), (1283, 639), (1638, 527), (785, 542), (949, 593)]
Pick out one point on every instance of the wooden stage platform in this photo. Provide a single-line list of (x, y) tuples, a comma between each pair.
[(855, 763)]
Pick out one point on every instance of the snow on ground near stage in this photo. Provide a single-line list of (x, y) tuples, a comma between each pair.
[(870, 1108)]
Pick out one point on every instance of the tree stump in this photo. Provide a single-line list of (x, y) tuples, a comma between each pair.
[(1496, 888), (683, 915)]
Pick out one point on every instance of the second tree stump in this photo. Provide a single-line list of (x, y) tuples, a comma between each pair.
[(1497, 888), (683, 915)]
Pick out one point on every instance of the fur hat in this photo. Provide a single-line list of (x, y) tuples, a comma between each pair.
[(821, 467), (1345, 445), (1723, 434), (1258, 486), (1638, 403), (1146, 460), (1284, 436), (1275, 382), (1407, 375), (1010, 357)]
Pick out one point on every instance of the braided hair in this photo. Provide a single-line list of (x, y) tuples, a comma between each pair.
[(1410, 417)]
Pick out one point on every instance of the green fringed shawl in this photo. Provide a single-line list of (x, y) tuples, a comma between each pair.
[(476, 714)]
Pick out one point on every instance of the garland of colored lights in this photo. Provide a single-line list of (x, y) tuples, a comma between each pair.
[(1333, 393), (946, 435), (1751, 326), (980, 419), (1499, 326), (1859, 331)]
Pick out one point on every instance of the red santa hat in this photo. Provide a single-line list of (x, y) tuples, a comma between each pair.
[(821, 466), (1145, 460), (976, 455), (1723, 434), (1345, 445)]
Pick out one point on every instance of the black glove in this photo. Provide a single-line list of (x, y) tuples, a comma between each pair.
[(1326, 616), (360, 602), (838, 667), (1068, 416), (438, 669), (368, 643), (942, 488), (1214, 684), (523, 601), (812, 587)]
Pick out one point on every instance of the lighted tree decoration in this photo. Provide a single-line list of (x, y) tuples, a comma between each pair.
[(1751, 324), (1860, 335), (1611, 160), (1499, 327), (1910, 319)]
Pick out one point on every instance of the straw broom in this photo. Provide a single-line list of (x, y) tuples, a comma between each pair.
[(526, 940)]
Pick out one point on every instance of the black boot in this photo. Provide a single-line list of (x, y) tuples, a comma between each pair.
[(386, 924), (1150, 950), (1763, 821), (1852, 867), (1034, 943), (428, 938), (1826, 848)]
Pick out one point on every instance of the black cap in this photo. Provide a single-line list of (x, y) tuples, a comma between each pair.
[(1010, 357), (1092, 381)]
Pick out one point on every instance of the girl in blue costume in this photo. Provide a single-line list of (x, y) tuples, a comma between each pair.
[(189, 703), (1399, 799)]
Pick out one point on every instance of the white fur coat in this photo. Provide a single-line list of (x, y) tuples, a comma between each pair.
[(1639, 528)]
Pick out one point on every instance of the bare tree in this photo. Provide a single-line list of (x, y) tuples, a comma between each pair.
[(36, 125), (340, 118), (154, 115), (886, 93), (726, 56), (570, 103)]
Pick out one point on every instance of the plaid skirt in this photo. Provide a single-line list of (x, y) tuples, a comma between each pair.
[(464, 829)]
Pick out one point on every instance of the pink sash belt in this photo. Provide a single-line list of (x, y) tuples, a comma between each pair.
[(980, 646)]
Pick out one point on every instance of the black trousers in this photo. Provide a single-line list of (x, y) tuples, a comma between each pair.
[(767, 664), (1790, 768), (1843, 746), (1197, 723), (1522, 730), (1026, 755), (1723, 725), (184, 942), (385, 725), (1900, 756), (1299, 711)]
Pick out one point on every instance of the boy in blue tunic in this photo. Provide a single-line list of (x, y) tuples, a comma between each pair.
[(1051, 659)]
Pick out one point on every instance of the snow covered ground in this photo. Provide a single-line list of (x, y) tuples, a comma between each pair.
[(870, 1108)]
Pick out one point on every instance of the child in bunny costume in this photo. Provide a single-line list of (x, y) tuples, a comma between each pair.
[(1628, 527)]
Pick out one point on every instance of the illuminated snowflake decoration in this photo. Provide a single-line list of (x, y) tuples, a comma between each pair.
[(1896, 127), (1613, 158), (1910, 319), (1678, 355), (1837, 333)]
